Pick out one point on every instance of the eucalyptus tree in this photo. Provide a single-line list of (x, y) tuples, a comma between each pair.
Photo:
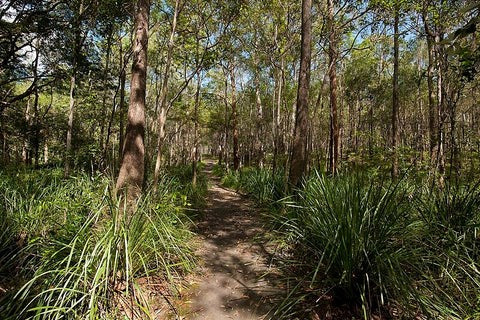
[(162, 114), (299, 156), (131, 175)]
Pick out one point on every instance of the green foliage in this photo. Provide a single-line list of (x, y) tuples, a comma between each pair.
[(87, 257), (231, 180), (375, 243), (350, 229), (449, 251), (219, 170)]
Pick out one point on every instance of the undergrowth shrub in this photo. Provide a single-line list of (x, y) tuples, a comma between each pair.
[(231, 180), (196, 195), (219, 170), (265, 187), (84, 258), (448, 241), (349, 232), (391, 248)]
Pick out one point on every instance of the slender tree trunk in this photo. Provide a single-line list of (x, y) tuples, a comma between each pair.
[(395, 102), (431, 93), (121, 106), (195, 131), (36, 131), (73, 79), (162, 116), (259, 117), (299, 157), (227, 125), (236, 158), (104, 143), (26, 145), (334, 128), (278, 119), (440, 110), (132, 170)]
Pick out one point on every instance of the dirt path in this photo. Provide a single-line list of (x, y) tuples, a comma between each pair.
[(234, 280)]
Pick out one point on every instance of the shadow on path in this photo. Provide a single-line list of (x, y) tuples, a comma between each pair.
[(235, 280)]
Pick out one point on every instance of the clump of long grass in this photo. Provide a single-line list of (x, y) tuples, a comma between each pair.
[(231, 179), (196, 195), (350, 230), (448, 241), (219, 170), (261, 184), (264, 186), (96, 262)]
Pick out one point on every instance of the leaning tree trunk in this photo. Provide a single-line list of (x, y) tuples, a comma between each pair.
[(130, 178), (395, 98), (299, 157)]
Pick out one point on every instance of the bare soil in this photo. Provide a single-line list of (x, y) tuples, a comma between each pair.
[(235, 279)]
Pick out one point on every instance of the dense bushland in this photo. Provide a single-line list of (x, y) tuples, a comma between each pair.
[(398, 249), (69, 249)]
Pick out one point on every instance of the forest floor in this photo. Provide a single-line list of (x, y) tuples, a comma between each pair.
[(235, 278)]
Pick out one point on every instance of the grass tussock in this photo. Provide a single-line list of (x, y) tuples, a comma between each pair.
[(75, 254), (392, 249)]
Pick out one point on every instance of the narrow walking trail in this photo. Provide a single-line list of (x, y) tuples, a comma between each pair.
[(235, 279)]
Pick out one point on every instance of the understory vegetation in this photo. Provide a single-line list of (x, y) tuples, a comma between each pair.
[(399, 249), (68, 248)]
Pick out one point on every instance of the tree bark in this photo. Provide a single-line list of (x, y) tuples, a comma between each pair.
[(121, 106), (440, 109), (35, 122), (299, 157), (195, 132), (259, 113), (132, 170), (104, 143), (236, 158), (73, 79), (431, 91), (334, 128), (162, 116), (395, 102)]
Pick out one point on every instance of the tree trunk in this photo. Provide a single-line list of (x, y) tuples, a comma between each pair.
[(299, 157), (440, 109), (73, 79), (162, 116), (259, 120), (334, 128), (226, 121), (236, 159), (195, 132), (104, 143), (395, 98), (132, 169), (121, 106), (26, 145), (35, 129), (431, 92)]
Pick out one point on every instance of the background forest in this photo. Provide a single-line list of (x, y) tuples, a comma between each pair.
[(355, 124)]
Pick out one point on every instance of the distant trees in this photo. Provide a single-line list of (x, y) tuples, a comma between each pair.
[(393, 84)]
